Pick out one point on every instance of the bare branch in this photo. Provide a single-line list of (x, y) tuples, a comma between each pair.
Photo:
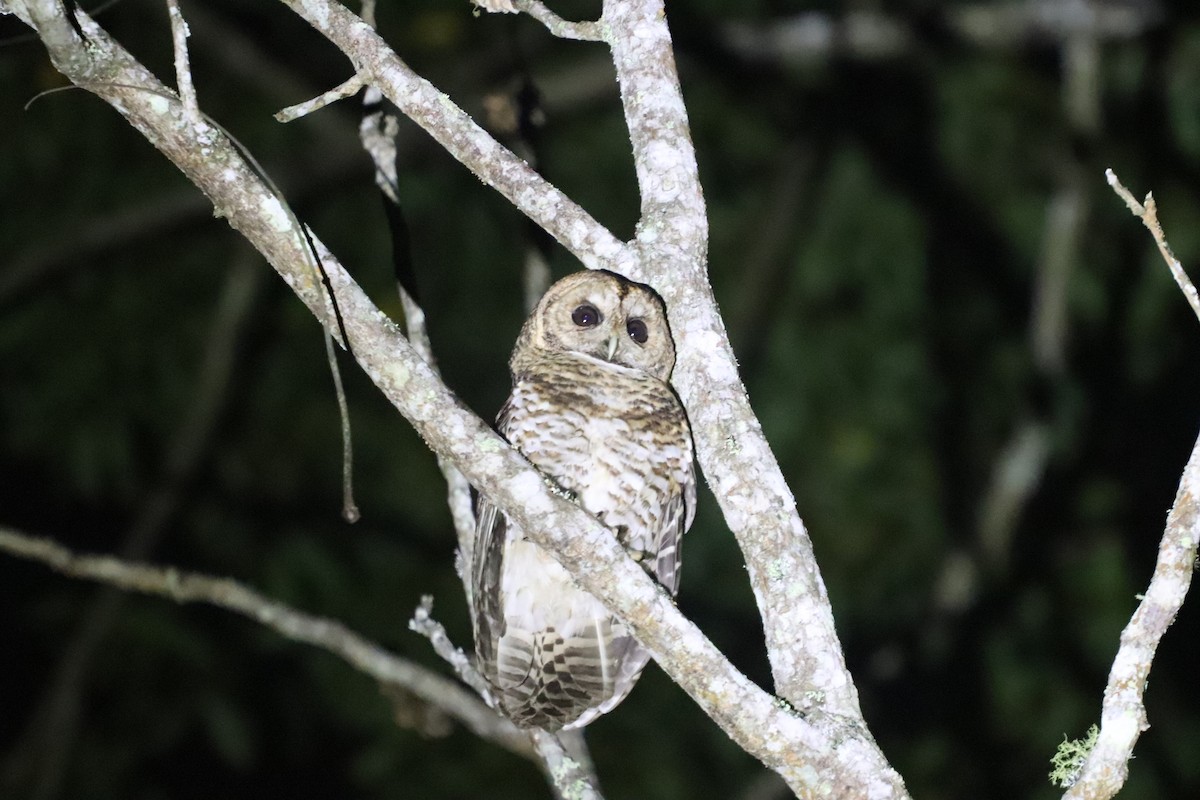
[(570, 778), (422, 622), (582, 31), (1009, 24), (871, 35), (346, 88), (673, 215), (366, 656), (183, 70), (378, 133), (463, 138), (1123, 716), (802, 645), (1148, 214)]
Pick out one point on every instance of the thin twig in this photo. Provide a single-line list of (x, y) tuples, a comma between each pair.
[(1148, 214), (422, 622), (350, 511), (564, 29), (1123, 714), (378, 133), (328, 634), (346, 88), (183, 70)]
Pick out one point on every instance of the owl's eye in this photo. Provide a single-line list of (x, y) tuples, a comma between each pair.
[(637, 330), (586, 316)]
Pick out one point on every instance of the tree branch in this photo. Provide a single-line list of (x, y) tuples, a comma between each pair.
[(1123, 715), (582, 31), (803, 647), (1148, 214), (871, 35), (571, 778), (183, 69), (366, 656), (495, 164)]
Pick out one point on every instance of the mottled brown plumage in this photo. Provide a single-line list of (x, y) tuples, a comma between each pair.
[(592, 409)]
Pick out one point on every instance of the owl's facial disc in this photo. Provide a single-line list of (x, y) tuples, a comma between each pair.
[(608, 318)]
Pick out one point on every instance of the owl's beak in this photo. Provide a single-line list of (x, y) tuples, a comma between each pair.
[(613, 341)]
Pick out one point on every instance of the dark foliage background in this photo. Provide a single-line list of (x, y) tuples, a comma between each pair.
[(878, 226)]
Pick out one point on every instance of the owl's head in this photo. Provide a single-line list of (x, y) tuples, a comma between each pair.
[(602, 315)]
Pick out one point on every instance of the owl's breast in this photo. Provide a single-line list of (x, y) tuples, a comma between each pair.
[(618, 440)]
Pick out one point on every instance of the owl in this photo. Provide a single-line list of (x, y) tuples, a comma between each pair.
[(591, 408)]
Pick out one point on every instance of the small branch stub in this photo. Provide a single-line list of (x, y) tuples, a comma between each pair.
[(347, 88), (1147, 212), (183, 69)]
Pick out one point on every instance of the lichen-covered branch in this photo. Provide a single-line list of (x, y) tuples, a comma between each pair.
[(1123, 716), (802, 644), (422, 622), (570, 777), (366, 656)]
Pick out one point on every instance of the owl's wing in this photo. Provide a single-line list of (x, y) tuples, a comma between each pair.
[(677, 517), (487, 615), (487, 564)]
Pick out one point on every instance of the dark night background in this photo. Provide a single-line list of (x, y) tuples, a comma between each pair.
[(879, 228)]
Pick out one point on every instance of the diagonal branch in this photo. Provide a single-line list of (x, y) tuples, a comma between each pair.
[(1123, 715), (366, 656), (454, 129), (671, 254), (1148, 214), (802, 644)]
